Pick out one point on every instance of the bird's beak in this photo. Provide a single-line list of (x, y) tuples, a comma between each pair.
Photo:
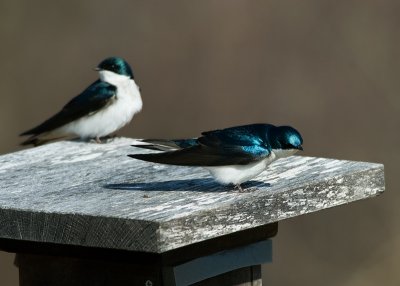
[(300, 148), (97, 69)]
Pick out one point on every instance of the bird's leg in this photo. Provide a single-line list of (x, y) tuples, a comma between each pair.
[(239, 188), (244, 190), (95, 140), (109, 138)]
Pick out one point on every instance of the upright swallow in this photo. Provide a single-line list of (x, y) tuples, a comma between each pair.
[(104, 107), (232, 156)]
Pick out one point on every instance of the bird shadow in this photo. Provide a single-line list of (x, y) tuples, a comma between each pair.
[(197, 185)]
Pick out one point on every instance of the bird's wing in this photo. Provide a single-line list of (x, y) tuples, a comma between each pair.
[(246, 135), (94, 98), (215, 148), (204, 156)]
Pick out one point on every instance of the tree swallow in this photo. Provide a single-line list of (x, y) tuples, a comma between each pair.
[(104, 107), (232, 155)]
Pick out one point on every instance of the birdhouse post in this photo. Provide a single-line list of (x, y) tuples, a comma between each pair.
[(85, 214)]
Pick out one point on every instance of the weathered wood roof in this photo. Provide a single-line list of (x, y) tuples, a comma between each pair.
[(94, 195)]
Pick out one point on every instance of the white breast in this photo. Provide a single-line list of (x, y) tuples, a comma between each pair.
[(237, 174), (114, 116)]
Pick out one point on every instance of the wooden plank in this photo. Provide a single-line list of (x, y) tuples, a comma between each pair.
[(93, 195), (206, 267), (221, 243), (168, 258), (247, 276)]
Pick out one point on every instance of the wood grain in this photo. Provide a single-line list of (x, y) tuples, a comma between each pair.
[(89, 194)]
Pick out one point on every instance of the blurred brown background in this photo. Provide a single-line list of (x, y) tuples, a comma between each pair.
[(329, 68)]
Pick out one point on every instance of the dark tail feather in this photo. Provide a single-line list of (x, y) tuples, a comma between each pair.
[(151, 147), (166, 145), (158, 144), (26, 133), (169, 158), (37, 141)]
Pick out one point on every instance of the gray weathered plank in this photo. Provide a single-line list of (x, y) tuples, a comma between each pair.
[(247, 276), (211, 266), (94, 195)]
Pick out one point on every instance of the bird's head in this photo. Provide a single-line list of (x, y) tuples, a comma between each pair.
[(286, 138), (114, 67)]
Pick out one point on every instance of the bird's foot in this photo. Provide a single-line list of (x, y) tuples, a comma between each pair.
[(249, 190), (95, 140), (239, 188), (244, 190), (109, 138), (101, 140)]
